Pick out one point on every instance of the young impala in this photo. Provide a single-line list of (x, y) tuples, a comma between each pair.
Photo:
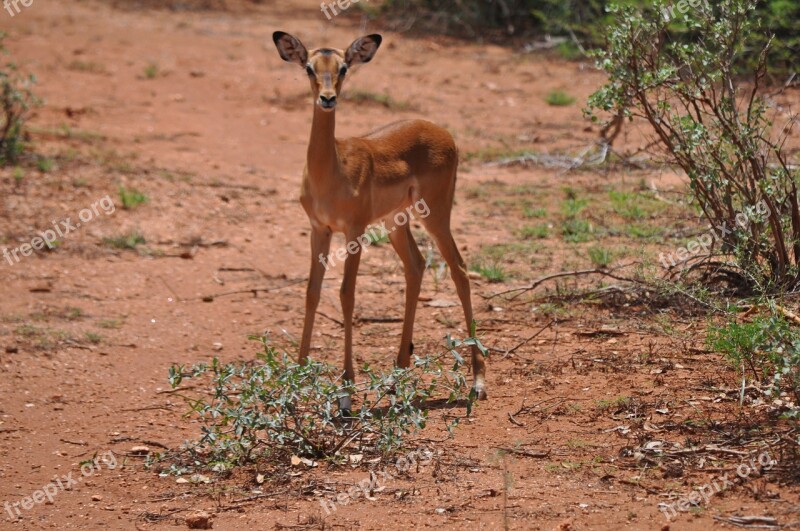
[(349, 184)]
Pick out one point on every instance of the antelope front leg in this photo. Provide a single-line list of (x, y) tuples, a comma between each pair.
[(348, 298), (320, 245)]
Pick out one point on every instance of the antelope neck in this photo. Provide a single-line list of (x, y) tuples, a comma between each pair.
[(322, 157)]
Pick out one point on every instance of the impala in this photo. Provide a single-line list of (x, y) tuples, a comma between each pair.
[(350, 183)]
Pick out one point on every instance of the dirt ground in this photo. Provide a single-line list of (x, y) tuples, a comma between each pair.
[(614, 408)]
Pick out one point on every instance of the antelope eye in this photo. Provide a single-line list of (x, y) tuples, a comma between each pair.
[(343, 71), (310, 71)]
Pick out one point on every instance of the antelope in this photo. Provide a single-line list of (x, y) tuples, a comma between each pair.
[(350, 183)]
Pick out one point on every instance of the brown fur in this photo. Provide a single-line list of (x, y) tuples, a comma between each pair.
[(348, 184)]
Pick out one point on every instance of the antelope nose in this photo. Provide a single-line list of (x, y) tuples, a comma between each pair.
[(328, 102)]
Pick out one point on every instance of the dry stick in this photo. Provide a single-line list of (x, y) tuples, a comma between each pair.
[(752, 522), (260, 496), (254, 291), (337, 321), (177, 297), (514, 421), (534, 336), (523, 453), (563, 274)]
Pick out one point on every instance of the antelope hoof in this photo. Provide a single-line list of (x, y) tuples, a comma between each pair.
[(345, 406), (479, 389)]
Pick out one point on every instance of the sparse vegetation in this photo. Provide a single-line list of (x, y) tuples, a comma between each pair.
[(535, 232), (766, 351), (531, 212), (151, 71), (45, 164), (131, 198), (275, 407), (42, 338), (93, 338), (110, 324), (600, 256), (130, 241), (576, 230), (89, 67), (559, 98), (493, 272), (627, 205)]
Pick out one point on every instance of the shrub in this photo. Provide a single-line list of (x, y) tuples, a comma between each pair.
[(16, 100), (717, 131), (275, 404), (585, 21)]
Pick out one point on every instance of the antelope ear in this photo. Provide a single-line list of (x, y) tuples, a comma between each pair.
[(363, 49), (290, 48)]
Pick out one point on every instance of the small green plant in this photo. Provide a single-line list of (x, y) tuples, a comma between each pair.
[(536, 232), (576, 230), (493, 272), (573, 206), (130, 199), (620, 403), (45, 164), (530, 212), (559, 98), (275, 405), (601, 257), (627, 205), (151, 71), (644, 231), (19, 175), (129, 240), (93, 338), (72, 313)]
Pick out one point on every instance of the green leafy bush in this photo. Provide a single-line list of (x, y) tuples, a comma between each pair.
[(16, 100), (716, 129), (586, 22), (277, 405)]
